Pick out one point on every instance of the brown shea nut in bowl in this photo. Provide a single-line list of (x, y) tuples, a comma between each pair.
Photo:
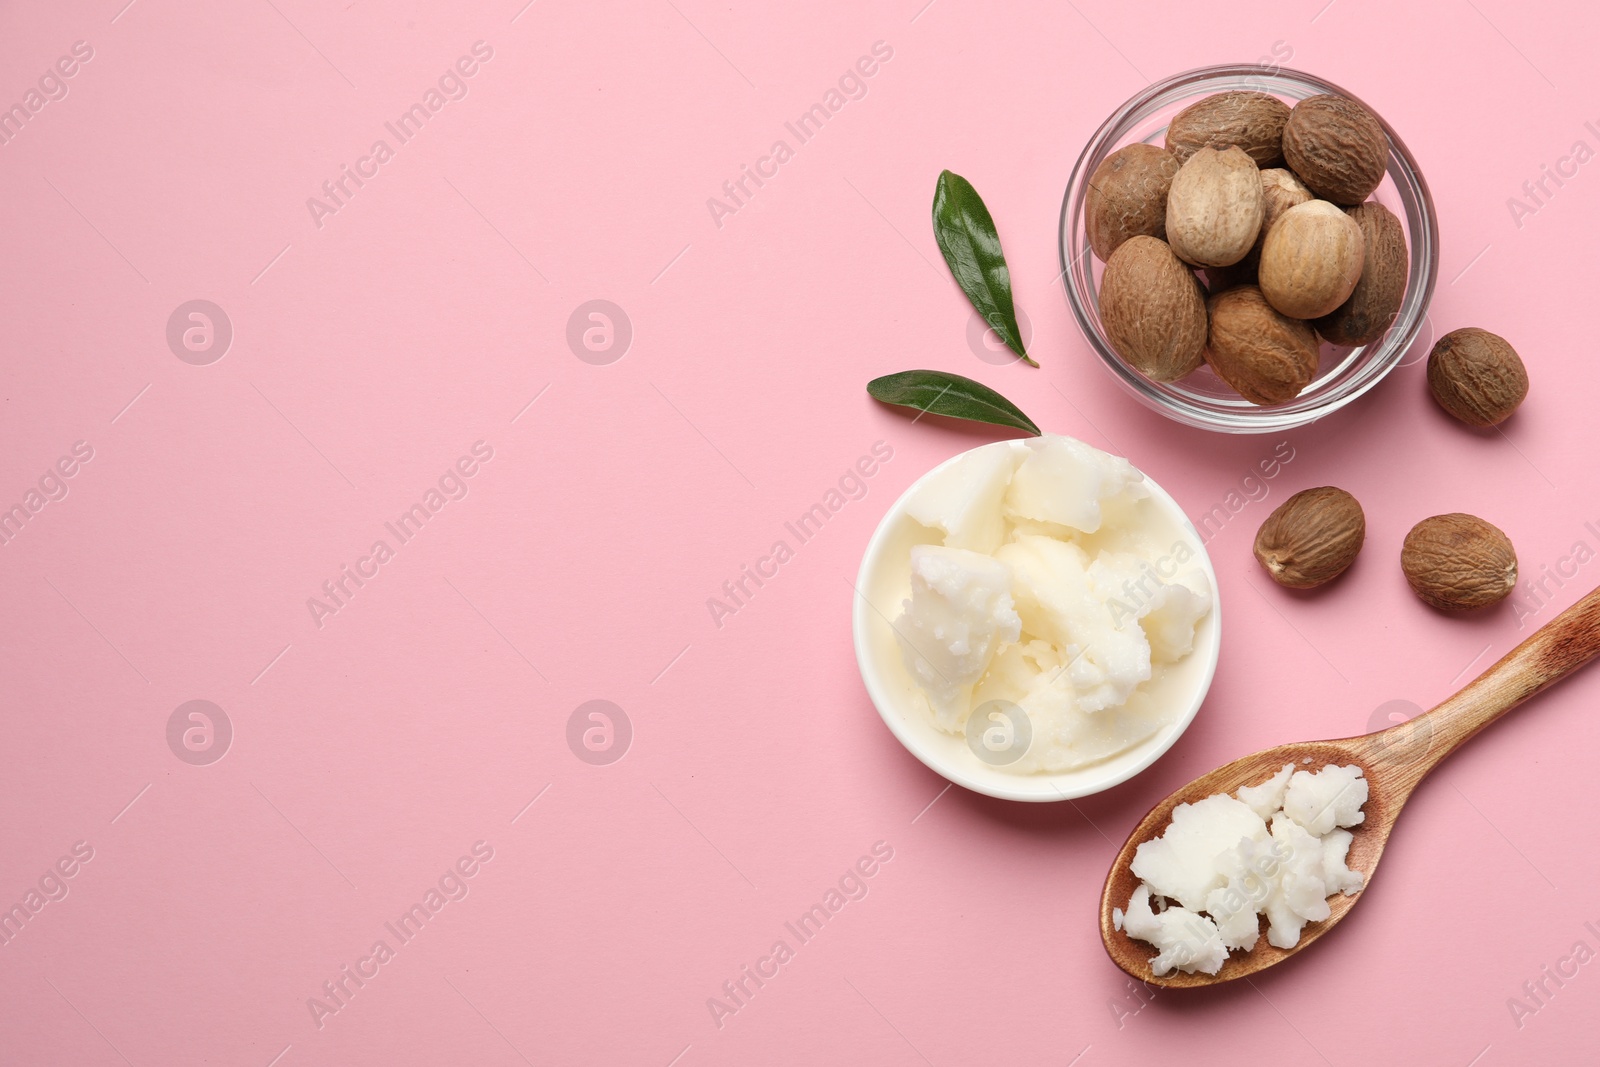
[(1215, 116), (1128, 196), (1376, 298), (1252, 121), (1154, 310), (1214, 207), (1337, 147), (1311, 260), (1265, 355)]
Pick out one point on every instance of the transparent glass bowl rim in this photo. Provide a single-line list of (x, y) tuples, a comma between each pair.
[(1374, 362)]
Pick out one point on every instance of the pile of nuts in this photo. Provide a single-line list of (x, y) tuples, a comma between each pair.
[(1453, 562), (1271, 203)]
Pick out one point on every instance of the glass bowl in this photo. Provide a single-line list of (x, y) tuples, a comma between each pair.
[(1202, 399)]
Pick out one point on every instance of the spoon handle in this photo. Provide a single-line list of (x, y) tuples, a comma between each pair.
[(1552, 652)]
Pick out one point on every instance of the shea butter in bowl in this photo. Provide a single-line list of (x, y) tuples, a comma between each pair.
[(1036, 620)]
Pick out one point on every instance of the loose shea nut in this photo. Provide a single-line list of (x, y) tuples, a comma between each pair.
[(1267, 356), (1375, 300), (1153, 309), (1252, 121), (1128, 196), (1455, 562), (1311, 260), (1337, 147), (1311, 538), (1476, 376), (1214, 207)]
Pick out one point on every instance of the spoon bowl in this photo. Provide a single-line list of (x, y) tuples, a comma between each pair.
[(1393, 761), (1366, 848)]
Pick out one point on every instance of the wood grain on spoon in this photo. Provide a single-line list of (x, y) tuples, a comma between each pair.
[(1393, 760)]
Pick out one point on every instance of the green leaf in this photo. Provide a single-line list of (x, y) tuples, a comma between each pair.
[(950, 395), (971, 247)]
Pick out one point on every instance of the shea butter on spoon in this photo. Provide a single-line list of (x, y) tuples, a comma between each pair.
[(1389, 765), (1045, 604), (1276, 849)]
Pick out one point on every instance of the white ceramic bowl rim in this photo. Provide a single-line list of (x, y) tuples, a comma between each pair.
[(996, 782)]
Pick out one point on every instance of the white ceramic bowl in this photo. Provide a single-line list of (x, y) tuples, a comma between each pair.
[(885, 581)]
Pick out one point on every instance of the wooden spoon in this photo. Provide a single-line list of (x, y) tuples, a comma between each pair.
[(1394, 761)]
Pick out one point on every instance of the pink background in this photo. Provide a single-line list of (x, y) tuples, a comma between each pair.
[(372, 752)]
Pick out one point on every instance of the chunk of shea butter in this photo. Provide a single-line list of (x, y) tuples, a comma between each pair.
[(1267, 798), (1300, 895), (959, 613), (963, 500), (1327, 798), (1064, 481), (1181, 864), (1057, 603), (1335, 852), (1285, 873), (1134, 590), (1187, 941), (1251, 870)]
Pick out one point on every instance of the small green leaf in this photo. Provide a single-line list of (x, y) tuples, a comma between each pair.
[(971, 247), (950, 395)]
